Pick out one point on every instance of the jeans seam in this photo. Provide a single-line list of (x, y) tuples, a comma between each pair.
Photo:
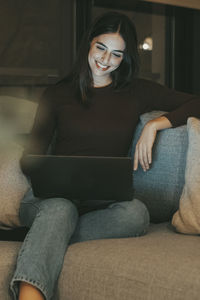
[(27, 237)]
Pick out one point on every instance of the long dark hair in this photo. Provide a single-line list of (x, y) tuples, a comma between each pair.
[(110, 22)]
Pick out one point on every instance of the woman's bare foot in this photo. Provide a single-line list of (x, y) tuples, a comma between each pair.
[(29, 292)]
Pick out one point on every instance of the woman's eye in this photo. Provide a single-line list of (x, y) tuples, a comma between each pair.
[(117, 55), (99, 47)]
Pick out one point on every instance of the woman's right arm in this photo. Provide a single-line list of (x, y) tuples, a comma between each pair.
[(43, 127)]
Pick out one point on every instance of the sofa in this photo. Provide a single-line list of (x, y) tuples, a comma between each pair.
[(161, 265)]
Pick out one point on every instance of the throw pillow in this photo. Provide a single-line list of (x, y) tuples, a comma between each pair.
[(187, 218), (16, 115), (13, 184), (16, 120)]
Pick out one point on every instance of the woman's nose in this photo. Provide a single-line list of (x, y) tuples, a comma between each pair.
[(106, 57)]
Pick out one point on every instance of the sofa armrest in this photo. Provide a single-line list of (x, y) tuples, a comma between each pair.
[(160, 187)]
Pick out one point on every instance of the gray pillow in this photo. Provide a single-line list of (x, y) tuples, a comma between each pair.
[(160, 187)]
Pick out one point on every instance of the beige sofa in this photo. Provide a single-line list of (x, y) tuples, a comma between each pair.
[(162, 265)]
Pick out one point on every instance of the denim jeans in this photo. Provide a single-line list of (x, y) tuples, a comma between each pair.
[(55, 224)]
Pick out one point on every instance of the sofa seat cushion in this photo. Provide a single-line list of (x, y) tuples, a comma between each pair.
[(160, 265)]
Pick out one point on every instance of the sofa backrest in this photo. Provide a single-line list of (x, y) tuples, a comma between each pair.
[(161, 186)]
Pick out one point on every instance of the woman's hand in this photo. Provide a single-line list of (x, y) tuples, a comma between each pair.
[(143, 149)]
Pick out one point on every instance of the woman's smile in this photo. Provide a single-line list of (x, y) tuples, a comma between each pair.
[(101, 66)]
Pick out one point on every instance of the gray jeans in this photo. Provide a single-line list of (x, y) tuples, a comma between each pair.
[(55, 224)]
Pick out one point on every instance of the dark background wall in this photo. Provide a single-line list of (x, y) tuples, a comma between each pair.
[(186, 69), (39, 40), (37, 44)]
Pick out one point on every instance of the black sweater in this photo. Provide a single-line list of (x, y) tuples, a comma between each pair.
[(106, 126)]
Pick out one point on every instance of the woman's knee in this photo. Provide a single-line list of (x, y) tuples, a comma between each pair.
[(59, 209), (133, 216)]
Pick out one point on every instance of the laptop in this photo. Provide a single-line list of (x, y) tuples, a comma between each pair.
[(81, 177)]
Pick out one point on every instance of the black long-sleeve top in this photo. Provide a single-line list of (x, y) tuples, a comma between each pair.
[(106, 126)]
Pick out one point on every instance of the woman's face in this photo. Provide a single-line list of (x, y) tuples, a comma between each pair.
[(105, 55)]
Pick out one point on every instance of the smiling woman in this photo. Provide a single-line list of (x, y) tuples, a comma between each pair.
[(105, 56), (109, 48)]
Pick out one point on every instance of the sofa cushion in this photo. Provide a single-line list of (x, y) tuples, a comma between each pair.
[(16, 120), (13, 184), (16, 115), (161, 186), (187, 218), (160, 265)]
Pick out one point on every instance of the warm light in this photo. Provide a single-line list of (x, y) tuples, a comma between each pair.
[(147, 44)]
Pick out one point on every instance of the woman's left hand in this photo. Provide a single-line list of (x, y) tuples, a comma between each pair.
[(143, 149)]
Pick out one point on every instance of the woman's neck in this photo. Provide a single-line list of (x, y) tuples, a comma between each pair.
[(98, 82)]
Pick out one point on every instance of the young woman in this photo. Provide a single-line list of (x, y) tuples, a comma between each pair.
[(94, 113)]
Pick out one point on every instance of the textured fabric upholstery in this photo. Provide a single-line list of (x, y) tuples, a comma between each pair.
[(160, 187), (16, 115), (161, 265), (8, 255), (13, 185), (187, 218), (16, 119)]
